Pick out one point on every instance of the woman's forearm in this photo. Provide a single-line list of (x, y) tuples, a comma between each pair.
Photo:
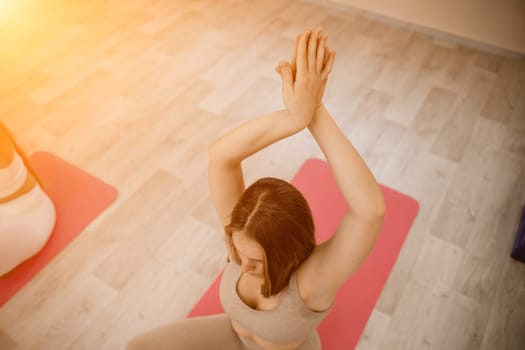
[(354, 178), (252, 136), (226, 154)]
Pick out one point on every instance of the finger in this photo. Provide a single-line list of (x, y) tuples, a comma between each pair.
[(319, 62), (285, 71), (328, 67), (301, 52), (326, 55), (312, 49), (294, 56)]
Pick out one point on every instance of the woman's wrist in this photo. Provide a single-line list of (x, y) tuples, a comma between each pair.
[(318, 114), (293, 123)]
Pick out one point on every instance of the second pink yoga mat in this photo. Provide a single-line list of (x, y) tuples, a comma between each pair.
[(357, 297)]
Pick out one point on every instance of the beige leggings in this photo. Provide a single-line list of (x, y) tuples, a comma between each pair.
[(201, 333)]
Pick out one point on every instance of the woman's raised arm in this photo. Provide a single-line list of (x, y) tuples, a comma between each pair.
[(300, 97), (226, 154), (334, 261)]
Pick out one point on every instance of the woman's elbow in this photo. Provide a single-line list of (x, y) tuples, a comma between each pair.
[(381, 207), (213, 150), (376, 212), (218, 154)]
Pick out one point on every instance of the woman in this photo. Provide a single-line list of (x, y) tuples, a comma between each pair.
[(27, 215), (277, 284)]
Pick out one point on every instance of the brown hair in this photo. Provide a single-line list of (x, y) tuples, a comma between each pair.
[(276, 215), (21, 153)]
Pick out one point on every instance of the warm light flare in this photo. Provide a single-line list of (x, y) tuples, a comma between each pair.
[(6, 8), (25, 25), (10, 12)]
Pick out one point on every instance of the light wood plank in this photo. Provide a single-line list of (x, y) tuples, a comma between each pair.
[(134, 96)]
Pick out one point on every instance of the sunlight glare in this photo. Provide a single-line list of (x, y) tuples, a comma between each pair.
[(6, 7)]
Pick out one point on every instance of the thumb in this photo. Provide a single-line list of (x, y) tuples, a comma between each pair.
[(285, 71)]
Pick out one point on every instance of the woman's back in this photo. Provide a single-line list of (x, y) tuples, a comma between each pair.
[(15, 178), (27, 215)]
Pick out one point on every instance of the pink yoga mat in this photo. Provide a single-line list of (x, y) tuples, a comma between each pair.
[(356, 298), (78, 197)]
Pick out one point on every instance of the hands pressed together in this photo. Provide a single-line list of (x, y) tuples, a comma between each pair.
[(304, 79)]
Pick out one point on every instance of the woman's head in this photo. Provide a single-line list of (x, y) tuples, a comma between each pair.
[(271, 232)]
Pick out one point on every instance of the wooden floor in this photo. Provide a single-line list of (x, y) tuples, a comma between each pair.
[(133, 91)]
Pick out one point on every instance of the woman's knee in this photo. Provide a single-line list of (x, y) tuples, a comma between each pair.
[(135, 344), (157, 339), (202, 333)]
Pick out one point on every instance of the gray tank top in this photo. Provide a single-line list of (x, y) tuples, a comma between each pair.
[(291, 320)]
